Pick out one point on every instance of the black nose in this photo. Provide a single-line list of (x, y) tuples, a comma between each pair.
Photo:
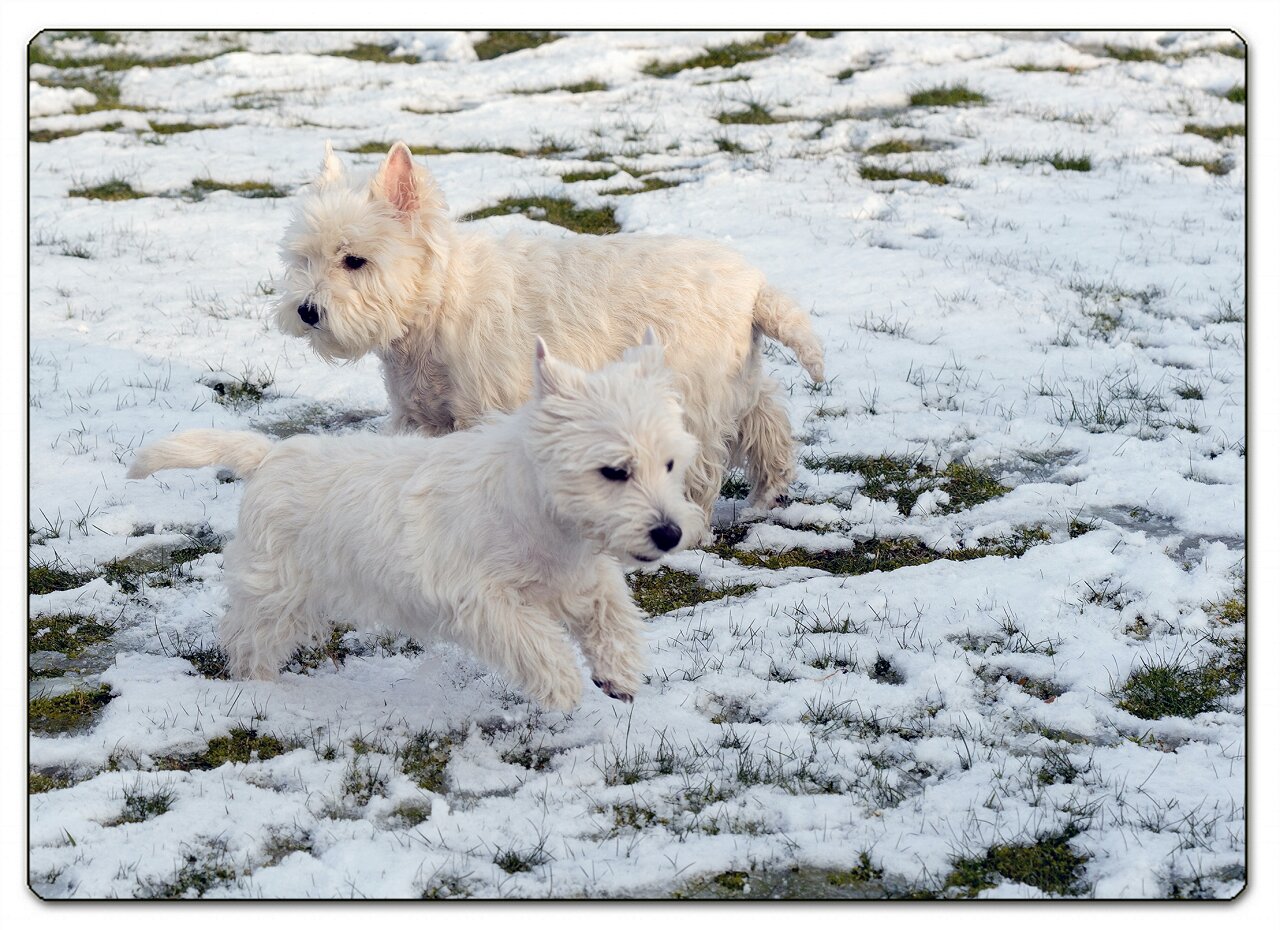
[(665, 536), (309, 312)]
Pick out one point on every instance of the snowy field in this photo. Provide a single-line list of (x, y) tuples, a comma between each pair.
[(994, 645)]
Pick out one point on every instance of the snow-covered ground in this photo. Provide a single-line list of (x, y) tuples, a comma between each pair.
[(1057, 302)]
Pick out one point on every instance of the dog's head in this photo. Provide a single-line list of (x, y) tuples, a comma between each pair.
[(363, 255), (612, 450)]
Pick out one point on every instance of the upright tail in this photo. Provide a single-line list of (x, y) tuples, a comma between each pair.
[(779, 318), (239, 451)]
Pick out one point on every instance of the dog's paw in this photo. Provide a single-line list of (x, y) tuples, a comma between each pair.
[(613, 691), (563, 695)]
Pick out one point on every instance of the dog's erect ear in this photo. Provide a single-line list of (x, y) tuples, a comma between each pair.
[(395, 180), (551, 376), (333, 168), (649, 354)]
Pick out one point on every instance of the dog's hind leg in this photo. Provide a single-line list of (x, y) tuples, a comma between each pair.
[(765, 444), (522, 641)]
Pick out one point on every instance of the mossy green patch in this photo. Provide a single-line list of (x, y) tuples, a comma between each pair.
[(574, 176), (666, 590), (201, 187), (1218, 167), (582, 87), (505, 41), (242, 745), (67, 633), (1048, 864), (557, 210), (753, 115), (39, 55), (115, 189), (203, 869), (1061, 161), (732, 881), (169, 129), (410, 813), (1216, 133), (1235, 93), (47, 577), (48, 135), (42, 782), (1064, 69), (860, 874), (1159, 688), (426, 756), (68, 712), (947, 95), (724, 56), (903, 480), (159, 567), (898, 147), (877, 173), (368, 51)]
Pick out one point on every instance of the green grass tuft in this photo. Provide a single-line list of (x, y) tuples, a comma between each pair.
[(666, 590), (67, 633), (1235, 94), (366, 51), (1218, 167), (860, 874), (903, 480), (115, 189), (48, 135), (753, 115), (241, 745), (1129, 53), (506, 41), (1048, 864), (140, 806), (898, 147), (723, 56), (649, 184), (583, 87), (1216, 133), (43, 782), (947, 95), (426, 756), (47, 577), (1160, 688), (169, 129), (575, 176), (874, 173), (594, 221), (67, 712), (38, 55), (201, 187)]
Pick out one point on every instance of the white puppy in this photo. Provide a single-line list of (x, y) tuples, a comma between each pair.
[(492, 537), (376, 265)]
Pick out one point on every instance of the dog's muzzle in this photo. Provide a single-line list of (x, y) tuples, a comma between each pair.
[(309, 313)]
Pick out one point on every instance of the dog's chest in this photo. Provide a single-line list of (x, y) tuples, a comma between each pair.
[(421, 392)]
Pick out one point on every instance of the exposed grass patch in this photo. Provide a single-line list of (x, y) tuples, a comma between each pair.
[(1216, 133), (1218, 167), (42, 782), (64, 713), (875, 173), (67, 633), (161, 568), (1061, 161), (513, 860), (123, 61), (575, 176), (48, 135), (201, 187), (239, 393), (1235, 94), (723, 56), (426, 756), (144, 805), (725, 144), (169, 129), (594, 221), (1167, 688), (898, 147), (411, 814), (666, 590), (241, 745), (367, 51), (583, 87), (753, 115), (648, 184), (202, 870), (903, 480), (47, 577), (947, 95), (115, 189), (506, 41), (1064, 69), (860, 874), (1048, 864), (1130, 53)]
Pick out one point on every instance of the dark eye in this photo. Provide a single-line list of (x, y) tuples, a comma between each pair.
[(354, 262), (615, 474), (671, 463)]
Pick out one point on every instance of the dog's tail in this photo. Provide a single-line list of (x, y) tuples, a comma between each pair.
[(779, 318), (241, 452)]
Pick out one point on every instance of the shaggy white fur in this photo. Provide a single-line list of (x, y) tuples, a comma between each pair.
[(492, 537), (376, 265)]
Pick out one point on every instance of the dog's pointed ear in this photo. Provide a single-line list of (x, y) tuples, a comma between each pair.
[(396, 182), (649, 354), (551, 376), (332, 169)]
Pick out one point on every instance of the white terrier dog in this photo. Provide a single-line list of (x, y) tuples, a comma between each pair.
[(376, 265), (491, 537)]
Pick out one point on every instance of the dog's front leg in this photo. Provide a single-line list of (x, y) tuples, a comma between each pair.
[(523, 642), (607, 625)]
